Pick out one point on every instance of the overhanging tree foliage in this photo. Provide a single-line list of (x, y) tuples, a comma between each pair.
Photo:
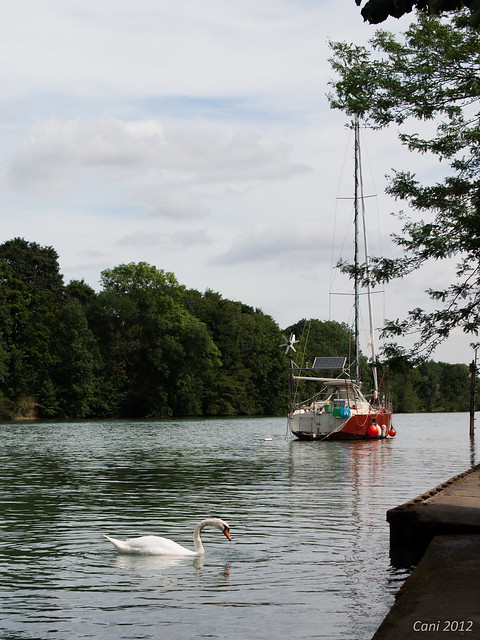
[(432, 74), (376, 11)]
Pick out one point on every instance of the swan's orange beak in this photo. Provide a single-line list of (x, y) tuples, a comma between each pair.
[(226, 532)]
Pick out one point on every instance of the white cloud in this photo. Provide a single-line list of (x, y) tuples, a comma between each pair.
[(287, 246), (177, 241), (164, 48), (173, 201), (55, 153)]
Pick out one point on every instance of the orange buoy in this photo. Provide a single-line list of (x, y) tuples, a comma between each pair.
[(392, 433), (373, 431)]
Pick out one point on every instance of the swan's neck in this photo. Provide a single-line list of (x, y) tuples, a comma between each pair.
[(197, 540), (214, 522)]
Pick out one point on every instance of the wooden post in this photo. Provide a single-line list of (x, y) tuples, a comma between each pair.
[(473, 380)]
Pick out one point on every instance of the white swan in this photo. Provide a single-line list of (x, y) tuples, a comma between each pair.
[(155, 545)]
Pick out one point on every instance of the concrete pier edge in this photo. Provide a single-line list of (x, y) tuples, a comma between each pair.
[(441, 598), (449, 508), (439, 532)]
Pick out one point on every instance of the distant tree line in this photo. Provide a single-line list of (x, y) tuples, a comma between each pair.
[(146, 346)]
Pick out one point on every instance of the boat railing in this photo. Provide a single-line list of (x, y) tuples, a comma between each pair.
[(384, 402)]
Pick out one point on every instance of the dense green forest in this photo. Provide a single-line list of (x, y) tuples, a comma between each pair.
[(146, 346)]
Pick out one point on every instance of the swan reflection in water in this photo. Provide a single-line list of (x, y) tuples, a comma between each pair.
[(146, 563), (158, 546)]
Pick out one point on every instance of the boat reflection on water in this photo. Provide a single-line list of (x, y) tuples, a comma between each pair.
[(346, 496)]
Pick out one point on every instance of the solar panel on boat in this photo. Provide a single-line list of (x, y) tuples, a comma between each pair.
[(329, 363)]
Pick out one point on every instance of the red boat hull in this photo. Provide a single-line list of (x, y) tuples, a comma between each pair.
[(372, 426)]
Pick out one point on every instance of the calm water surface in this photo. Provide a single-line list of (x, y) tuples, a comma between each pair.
[(309, 556)]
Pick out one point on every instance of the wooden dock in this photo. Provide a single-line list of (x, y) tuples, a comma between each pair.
[(439, 532)]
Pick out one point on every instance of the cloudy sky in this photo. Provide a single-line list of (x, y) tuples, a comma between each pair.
[(195, 136)]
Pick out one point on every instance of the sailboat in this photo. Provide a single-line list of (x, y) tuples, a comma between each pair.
[(336, 408)]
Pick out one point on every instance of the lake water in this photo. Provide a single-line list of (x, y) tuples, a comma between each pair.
[(310, 551)]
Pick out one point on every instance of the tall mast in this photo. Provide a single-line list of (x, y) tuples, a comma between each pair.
[(360, 204), (356, 235)]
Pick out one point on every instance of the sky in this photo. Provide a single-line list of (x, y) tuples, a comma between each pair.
[(197, 137)]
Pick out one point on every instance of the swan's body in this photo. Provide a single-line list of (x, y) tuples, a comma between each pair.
[(155, 545)]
